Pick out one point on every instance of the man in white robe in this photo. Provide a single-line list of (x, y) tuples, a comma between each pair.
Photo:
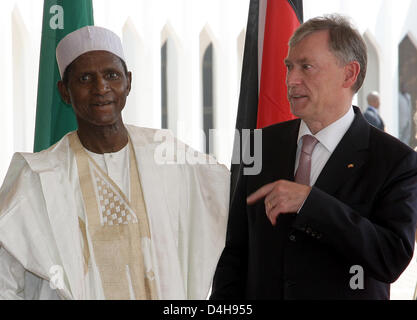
[(110, 211)]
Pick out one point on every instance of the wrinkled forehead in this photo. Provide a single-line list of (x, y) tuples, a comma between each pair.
[(312, 45), (98, 57), (314, 38), (96, 61)]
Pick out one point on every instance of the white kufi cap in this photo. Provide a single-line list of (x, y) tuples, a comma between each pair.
[(86, 39)]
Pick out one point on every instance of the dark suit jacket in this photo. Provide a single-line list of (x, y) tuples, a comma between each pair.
[(372, 116), (361, 211)]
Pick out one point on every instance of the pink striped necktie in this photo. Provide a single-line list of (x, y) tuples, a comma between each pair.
[(302, 175)]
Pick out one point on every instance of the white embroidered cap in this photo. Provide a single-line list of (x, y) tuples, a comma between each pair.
[(86, 39)]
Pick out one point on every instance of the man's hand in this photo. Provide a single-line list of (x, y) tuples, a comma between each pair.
[(281, 196)]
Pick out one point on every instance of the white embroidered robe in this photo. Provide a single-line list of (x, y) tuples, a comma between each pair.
[(41, 200)]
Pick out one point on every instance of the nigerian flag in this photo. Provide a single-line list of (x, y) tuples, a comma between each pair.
[(54, 118)]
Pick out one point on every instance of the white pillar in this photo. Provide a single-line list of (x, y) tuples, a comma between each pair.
[(6, 88)]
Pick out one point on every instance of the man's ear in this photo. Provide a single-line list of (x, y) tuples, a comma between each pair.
[(352, 70), (63, 92), (129, 82)]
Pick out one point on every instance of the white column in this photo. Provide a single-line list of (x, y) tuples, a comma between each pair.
[(28, 16), (191, 116), (136, 109), (6, 88), (389, 73)]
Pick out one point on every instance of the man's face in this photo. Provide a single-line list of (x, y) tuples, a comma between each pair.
[(315, 78), (97, 88)]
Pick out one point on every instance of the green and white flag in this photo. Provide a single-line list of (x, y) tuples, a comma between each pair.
[(54, 118)]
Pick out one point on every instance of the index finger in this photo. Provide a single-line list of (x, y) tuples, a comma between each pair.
[(260, 193)]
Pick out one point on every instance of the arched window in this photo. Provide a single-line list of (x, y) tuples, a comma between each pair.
[(170, 66), (208, 95)]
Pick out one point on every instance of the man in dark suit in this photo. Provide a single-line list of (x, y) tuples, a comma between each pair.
[(333, 213), (372, 112)]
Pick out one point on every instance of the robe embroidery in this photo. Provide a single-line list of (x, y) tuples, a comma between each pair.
[(118, 229)]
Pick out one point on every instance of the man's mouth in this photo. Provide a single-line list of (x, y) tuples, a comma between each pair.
[(101, 104), (297, 96)]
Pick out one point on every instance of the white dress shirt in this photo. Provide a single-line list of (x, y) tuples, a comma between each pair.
[(328, 138)]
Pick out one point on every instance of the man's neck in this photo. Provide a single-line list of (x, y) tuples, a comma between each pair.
[(103, 139), (316, 126)]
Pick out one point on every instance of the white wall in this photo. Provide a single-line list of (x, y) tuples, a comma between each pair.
[(19, 58)]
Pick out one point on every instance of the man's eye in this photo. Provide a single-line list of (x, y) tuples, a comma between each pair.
[(85, 78), (306, 66), (113, 75)]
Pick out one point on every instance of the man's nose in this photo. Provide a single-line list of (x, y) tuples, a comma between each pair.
[(101, 85), (293, 77)]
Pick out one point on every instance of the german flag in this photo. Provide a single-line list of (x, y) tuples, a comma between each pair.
[(263, 92)]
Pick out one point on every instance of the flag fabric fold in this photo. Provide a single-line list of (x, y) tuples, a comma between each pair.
[(54, 118), (263, 92), (280, 23)]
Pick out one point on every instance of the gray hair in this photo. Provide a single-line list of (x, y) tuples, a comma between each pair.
[(345, 42)]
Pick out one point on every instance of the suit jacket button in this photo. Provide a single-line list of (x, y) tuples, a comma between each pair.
[(319, 235), (292, 238), (308, 230)]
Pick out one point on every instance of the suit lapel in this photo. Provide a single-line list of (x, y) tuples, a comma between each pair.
[(283, 142), (350, 154), (290, 147)]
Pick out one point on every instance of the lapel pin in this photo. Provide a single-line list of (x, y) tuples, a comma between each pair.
[(351, 165)]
